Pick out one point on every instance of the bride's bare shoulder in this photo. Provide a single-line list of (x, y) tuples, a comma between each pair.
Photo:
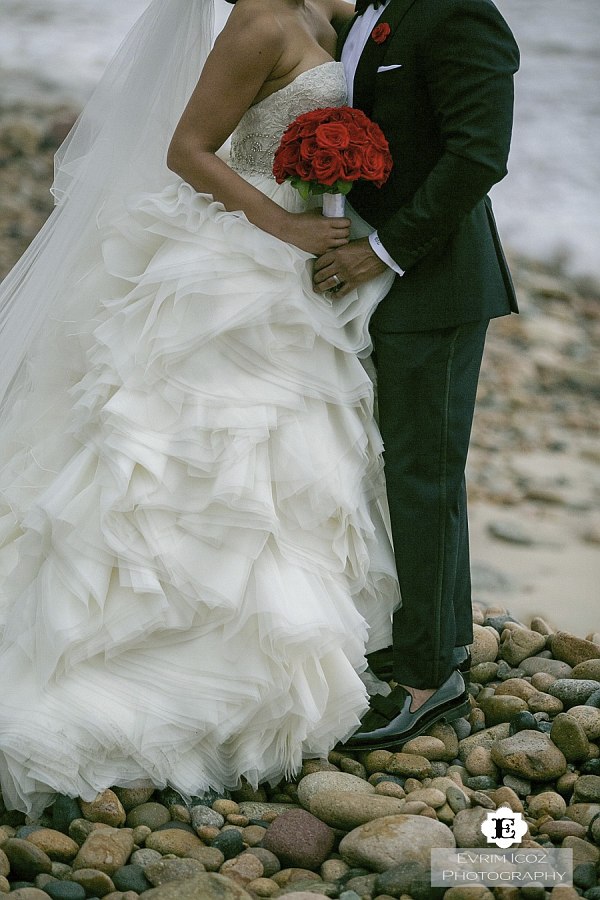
[(254, 23)]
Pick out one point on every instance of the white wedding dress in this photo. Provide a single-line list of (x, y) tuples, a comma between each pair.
[(194, 552)]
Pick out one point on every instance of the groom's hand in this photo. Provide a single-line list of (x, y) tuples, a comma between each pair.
[(354, 264)]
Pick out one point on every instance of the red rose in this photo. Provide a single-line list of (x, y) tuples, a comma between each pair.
[(291, 133), (328, 166), (359, 117), (308, 148), (358, 136), (307, 129), (336, 114), (315, 115), (353, 159), (309, 122), (381, 32), (285, 162), (373, 165), (304, 170), (375, 137), (332, 136)]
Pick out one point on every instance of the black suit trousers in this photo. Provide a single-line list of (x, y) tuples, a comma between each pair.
[(426, 388)]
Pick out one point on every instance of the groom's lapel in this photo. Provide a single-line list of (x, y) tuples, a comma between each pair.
[(374, 53)]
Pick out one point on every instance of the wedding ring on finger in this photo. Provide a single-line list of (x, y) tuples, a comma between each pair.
[(338, 284)]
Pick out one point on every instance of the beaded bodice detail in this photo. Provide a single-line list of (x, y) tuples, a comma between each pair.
[(257, 136)]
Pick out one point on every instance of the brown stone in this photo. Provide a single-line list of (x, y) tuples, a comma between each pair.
[(300, 839), (521, 643), (26, 860), (243, 868), (485, 738), (480, 762), (263, 887), (548, 803), (106, 850), (349, 810), (447, 735), (470, 892), (505, 796), (55, 844), (425, 745), (501, 708), (531, 755), (485, 645), (390, 841), (583, 851), (293, 873), (517, 687), (209, 886), (377, 760), (131, 797), (571, 649), (558, 830), (582, 812), (175, 841), (329, 781), (569, 737), (94, 882), (105, 808), (28, 893), (541, 701), (80, 829), (153, 815), (590, 669), (390, 789), (409, 764), (541, 626), (541, 681)]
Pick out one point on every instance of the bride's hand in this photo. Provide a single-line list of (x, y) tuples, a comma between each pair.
[(315, 233)]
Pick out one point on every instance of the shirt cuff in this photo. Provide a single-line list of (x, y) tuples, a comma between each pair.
[(382, 253)]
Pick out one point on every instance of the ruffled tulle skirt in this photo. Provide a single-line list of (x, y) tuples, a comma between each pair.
[(194, 551)]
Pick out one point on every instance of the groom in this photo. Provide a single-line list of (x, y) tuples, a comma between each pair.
[(437, 76)]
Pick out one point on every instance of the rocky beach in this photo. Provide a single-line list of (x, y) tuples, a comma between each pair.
[(360, 827)]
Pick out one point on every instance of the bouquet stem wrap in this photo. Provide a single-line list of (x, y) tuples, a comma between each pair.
[(334, 205)]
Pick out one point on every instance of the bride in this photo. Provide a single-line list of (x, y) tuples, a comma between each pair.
[(194, 557)]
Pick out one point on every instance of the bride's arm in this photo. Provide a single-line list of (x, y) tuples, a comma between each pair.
[(244, 55)]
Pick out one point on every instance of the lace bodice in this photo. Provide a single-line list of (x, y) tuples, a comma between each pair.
[(257, 136)]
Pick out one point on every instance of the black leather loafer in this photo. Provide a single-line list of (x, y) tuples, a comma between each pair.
[(381, 662), (390, 723)]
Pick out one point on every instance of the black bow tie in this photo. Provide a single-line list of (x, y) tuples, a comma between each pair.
[(363, 5)]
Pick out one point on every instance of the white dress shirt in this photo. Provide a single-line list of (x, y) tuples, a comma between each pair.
[(353, 47)]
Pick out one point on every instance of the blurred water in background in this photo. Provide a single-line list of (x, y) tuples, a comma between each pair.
[(54, 51)]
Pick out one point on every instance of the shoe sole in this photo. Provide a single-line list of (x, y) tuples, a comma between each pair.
[(444, 717)]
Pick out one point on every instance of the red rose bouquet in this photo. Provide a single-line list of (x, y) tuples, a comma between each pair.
[(326, 150)]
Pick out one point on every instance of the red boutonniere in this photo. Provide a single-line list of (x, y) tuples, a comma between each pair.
[(381, 32)]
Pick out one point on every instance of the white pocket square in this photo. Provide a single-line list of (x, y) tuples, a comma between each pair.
[(389, 68)]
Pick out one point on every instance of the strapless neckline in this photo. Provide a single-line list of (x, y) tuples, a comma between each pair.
[(294, 81)]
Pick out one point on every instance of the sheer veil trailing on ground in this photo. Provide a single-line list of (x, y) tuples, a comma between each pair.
[(116, 147)]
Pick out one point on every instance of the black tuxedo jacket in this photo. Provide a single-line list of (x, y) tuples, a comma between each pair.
[(446, 111)]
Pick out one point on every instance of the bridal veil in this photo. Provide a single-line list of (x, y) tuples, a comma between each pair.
[(116, 148)]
